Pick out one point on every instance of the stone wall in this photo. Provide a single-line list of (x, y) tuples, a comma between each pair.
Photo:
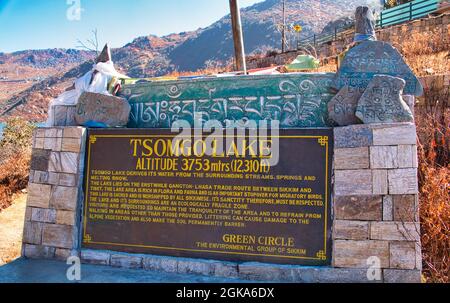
[(376, 199), (55, 193), (375, 210)]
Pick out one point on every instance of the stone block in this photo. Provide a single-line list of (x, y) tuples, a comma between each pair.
[(402, 255), (43, 215), (265, 272), (95, 257), (62, 254), (403, 181), (71, 145), (74, 132), (405, 208), (356, 253), (198, 267), (39, 143), (157, 263), (109, 110), (61, 236), (351, 158), (28, 212), (353, 182), (383, 157), (365, 208), (126, 261), (64, 198), (51, 132), (39, 195), (64, 162), (395, 231), (53, 144), (64, 217), (330, 275), (69, 180), (394, 134), (380, 182), (40, 159), (39, 132), (350, 230), (406, 155), (401, 276), (32, 233), (353, 136), (38, 252), (226, 269), (388, 208)]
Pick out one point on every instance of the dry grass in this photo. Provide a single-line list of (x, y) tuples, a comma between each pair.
[(15, 156), (434, 182), (426, 52)]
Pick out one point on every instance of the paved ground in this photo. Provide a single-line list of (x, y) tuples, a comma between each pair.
[(39, 271), (11, 228)]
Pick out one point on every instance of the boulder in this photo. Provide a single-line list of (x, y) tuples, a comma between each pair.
[(382, 102), (102, 111)]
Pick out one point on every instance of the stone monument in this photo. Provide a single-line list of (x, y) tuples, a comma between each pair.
[(331, 204)]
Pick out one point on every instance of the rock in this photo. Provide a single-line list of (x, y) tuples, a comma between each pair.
[(342, 107), (371, 58), (105, 55), (364, 24), (108, 111), (382, 102)]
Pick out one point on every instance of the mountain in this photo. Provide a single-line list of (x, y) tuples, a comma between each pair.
[(47, 58), (47, 72), (214, 44)]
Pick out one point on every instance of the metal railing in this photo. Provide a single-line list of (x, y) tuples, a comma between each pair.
[(407, 12), (396, 15)]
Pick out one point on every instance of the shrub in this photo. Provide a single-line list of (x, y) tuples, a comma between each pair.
[(15, 155), (434, 184)]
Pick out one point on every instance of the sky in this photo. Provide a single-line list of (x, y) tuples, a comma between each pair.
[(41, 24)]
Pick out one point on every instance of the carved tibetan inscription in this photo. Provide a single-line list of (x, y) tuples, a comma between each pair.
[(296, 100), (150, 191)]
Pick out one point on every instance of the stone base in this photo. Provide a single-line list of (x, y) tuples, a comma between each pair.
[(247, 271)]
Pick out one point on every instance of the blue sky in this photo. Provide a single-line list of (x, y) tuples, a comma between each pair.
[(39, 24)]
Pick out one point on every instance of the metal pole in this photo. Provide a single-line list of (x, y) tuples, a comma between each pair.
[(283, 34), (238, 39)]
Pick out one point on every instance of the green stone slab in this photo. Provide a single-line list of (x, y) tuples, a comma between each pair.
[(296, 100)]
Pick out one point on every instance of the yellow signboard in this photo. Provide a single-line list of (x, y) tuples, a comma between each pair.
[(298, 28)]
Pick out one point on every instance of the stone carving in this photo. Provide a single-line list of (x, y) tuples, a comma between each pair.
[(97, 110), (342, 107), (364, 24), (382, 102), (298, 100), (371, 58)]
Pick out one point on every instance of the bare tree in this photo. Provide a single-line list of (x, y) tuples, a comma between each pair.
[(90, 44)]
